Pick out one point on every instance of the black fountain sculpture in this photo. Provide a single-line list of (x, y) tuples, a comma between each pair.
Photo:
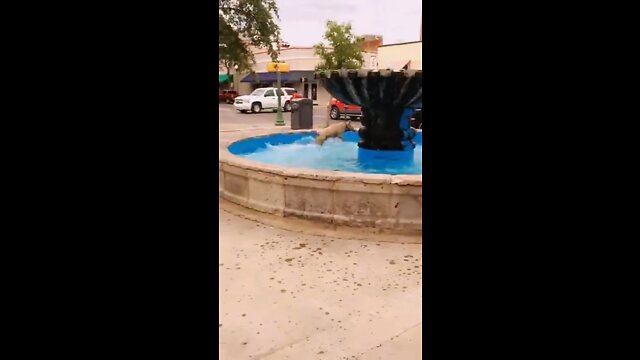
[(388, 99)]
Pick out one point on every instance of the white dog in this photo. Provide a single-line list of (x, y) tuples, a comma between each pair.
[(335, 130)]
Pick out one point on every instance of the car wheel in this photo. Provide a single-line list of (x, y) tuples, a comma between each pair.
[(287, 106), (334, 113), (256, 107)]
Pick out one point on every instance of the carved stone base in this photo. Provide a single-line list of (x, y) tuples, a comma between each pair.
[(387, 130)]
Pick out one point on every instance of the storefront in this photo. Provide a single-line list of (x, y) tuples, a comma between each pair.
[(302, 62), (225, 82), (301, 80)]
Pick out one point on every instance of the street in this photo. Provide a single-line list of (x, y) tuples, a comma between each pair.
[(230, 119)]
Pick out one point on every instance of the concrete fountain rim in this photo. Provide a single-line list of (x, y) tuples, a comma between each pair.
[(226, 157)]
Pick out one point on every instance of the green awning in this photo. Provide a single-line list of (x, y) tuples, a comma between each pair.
[(223, 78)]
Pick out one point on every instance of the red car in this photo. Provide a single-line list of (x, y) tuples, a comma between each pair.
[(337, 109), (227, 96)]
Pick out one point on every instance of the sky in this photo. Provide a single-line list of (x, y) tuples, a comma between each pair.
[(303, 22)]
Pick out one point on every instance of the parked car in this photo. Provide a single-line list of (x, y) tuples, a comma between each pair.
[(264, 98), (337, 109), (227, 96)]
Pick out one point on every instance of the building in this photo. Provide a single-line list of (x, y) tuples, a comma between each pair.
[(407, 56), (371, 43), (302, 63)]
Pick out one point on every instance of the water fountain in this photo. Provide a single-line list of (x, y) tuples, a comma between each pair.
[(377, 183), (388, 99)]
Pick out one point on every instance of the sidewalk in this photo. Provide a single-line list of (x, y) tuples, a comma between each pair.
[(290, 295), (303, 291)]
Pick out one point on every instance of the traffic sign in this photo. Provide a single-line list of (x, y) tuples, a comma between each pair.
[(278, 67)]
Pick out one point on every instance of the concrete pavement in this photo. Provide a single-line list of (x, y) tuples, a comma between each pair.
[(231, 120), (297, 290)]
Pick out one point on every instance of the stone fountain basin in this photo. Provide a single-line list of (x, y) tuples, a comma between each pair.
[(389, 202)]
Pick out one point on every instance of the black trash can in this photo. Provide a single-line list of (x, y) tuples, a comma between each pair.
[(302, 114)]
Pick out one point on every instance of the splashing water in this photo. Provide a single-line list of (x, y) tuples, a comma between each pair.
[(335, 154)]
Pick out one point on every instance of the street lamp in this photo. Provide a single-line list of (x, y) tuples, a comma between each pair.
[(236, 84), (279, 119)]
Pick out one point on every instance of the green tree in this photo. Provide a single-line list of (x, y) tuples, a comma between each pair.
[(233, 51), (253, 19), (344, 50)]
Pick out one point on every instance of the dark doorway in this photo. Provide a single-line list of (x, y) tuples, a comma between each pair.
[(306, 90), (314, 91)]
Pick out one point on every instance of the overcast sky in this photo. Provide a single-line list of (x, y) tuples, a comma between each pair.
[(303, 22)]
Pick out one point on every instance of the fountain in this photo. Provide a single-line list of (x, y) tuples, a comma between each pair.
[(388, 99), (373, 178)]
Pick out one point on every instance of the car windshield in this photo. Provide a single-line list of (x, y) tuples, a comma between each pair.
[(290, 91), (258, 92)]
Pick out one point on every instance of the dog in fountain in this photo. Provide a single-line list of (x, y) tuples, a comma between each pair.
[(335, 130)]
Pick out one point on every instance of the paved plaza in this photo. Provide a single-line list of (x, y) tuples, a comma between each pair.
[(295, 289), (232, 120)]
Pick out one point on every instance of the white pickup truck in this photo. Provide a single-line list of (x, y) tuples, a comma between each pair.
[(264, 98)]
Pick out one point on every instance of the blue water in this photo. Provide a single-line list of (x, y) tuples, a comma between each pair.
[(300, 151)]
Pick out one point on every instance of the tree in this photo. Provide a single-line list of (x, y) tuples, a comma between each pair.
[(233, 51), (344, 50), (253, 19)]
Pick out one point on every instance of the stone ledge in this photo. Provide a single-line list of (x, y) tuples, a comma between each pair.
[(353, 199)]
